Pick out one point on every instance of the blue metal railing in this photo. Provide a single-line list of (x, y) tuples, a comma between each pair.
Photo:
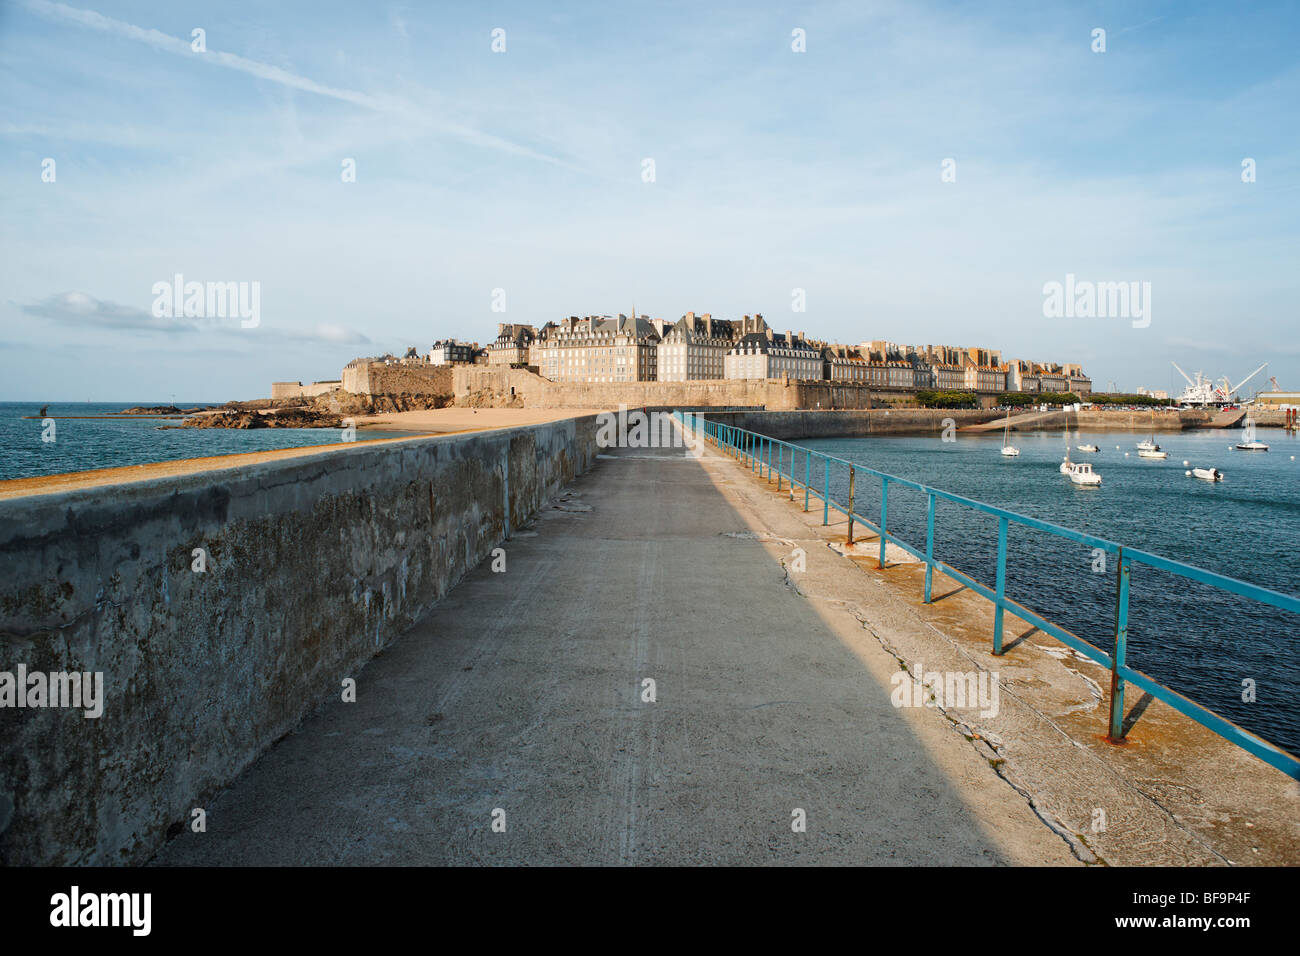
[(757, 451)]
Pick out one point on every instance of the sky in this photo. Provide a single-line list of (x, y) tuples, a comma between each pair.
[(518, 180)]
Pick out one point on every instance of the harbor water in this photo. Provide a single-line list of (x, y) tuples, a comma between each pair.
[(1198, 640)]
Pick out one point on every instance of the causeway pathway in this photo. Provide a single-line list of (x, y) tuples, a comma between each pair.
[(523, 692)]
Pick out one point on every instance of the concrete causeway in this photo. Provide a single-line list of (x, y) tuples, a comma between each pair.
[(523, 692)]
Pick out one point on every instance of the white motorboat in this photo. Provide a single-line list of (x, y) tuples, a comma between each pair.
[(1207, 474), (1253, 444), (1150, 444), (1089, 448), (1153, 453), (1008, 450), (1081, 473)]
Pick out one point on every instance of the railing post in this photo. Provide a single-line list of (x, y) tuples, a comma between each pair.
[(884, 517), (780, 454), (807, 476), (851, 481), (929, 546), (1002, 586), (1119, 651), (826, 497)]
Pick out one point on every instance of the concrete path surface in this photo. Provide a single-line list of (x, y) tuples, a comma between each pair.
[(523, 692)]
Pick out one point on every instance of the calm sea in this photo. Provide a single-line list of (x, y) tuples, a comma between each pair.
[(82, 444), (1193, 638)]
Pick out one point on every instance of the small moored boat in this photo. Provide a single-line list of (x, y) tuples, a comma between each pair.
[(1008, 450), (1207, 474), (1081, 473)]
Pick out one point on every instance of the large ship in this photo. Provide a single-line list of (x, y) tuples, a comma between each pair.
[(1202, 391)]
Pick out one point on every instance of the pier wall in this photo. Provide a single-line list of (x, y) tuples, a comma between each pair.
[(313, 565), (810, 423), (527, 389), (790, 425)]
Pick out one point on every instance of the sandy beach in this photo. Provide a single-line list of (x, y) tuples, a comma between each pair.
[(439, 421)]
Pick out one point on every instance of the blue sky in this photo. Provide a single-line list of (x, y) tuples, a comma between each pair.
[(522, 171)]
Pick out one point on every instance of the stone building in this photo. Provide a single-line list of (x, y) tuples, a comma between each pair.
[(770, 354), (1033, 378), (512, 346), (600, 349), (1079, 383), (845, 363), (948, 378), (539, 343), (451, 352), (983, 378), (695, 348)]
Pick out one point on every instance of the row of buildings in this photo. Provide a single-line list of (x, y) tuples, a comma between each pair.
[(700, 347)]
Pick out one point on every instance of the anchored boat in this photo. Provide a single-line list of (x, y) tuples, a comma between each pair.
[(1207, 474), (1149, 448), (1081, 473), (1008, 450), (1089, 448), (1253, 444)]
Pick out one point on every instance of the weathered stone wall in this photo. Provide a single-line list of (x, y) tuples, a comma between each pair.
[(791, 425), (538, 392), (808, 423), (1116, 419), (313, 565), (282, 390), (376, 378)]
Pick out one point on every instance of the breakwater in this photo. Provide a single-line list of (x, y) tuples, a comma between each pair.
[(808, 423), (861, 423), (223, 607)]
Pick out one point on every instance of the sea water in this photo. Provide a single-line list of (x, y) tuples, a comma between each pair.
[(1196, 639)]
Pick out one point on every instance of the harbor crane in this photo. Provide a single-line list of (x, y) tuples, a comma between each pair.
[(1203, 391)]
